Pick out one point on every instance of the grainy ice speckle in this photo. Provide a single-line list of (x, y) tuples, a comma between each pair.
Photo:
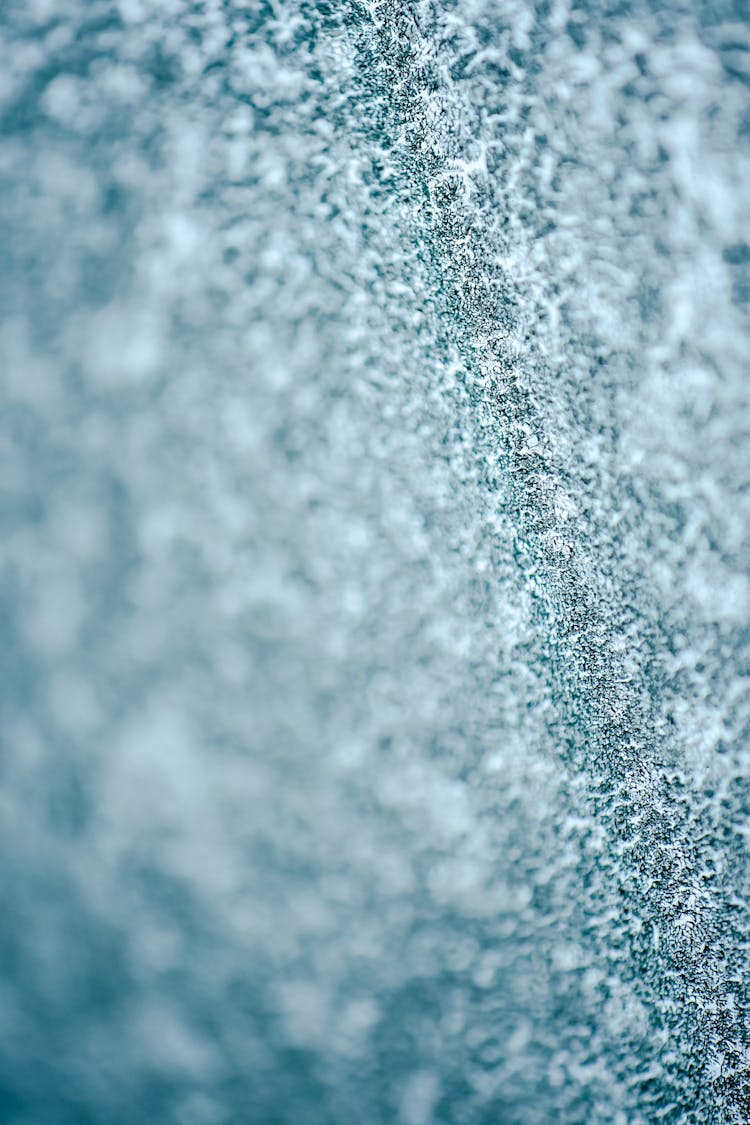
[(375, 571)]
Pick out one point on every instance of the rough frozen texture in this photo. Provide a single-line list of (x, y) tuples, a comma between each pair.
[(375, 562)]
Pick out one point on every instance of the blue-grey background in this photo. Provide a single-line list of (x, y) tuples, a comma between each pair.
[(375, 584)]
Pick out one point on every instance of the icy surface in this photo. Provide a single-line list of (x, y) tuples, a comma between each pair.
[(375, 568)]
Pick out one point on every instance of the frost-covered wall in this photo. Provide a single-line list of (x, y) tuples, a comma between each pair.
[(375, 578)]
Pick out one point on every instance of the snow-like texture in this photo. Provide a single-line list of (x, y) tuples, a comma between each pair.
[(376, 573)]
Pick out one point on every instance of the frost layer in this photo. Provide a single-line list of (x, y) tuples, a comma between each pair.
[(375, 571)]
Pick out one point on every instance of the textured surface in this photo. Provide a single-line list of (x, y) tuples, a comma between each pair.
[(375, 577)]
